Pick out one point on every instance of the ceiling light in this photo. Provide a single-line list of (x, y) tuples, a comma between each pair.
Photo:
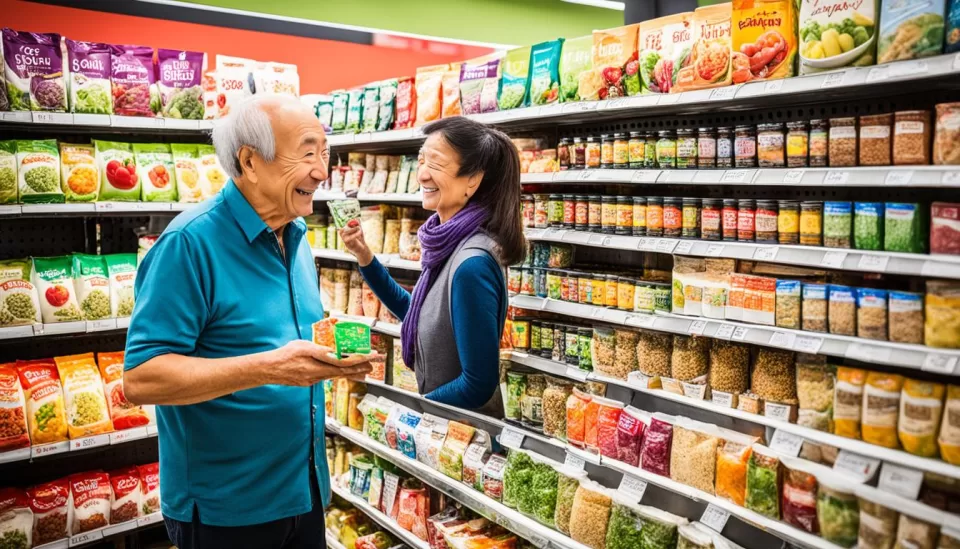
[(608, 4)]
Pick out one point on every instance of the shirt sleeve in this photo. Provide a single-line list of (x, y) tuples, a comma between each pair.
[(386, 288), (477, 323), (170, 310)]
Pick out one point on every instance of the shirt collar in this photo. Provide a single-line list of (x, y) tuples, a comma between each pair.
[(250, 222)]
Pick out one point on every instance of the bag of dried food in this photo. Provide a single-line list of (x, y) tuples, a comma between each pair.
[(34, 71), (881, 404), (531, 403), (38, 172), (733, 456), (608, 418), (603, 351), (625, 352), (8, 170), (44, 400), (555, 407), (16, 519), (630, 429), (838, 512), (815, 392), (149, 488), (729, 366), (591, 415), (949, 438), (814, 308), (590, 514), (693, 455), (450, 460), (474, 459), (50, 503), (133, 77), (905, 317), (842, 310), (91, 495), (125, 503), (942, 324), (878, 523), (92, 286), (695, 536), (568, 481), (86, 405), (690, 358), (625, 525), (53, 277), (493, 473), (79, 177), (774, 376), (155, 170), (19, 304), (914, 532), (514, 390), (12, 412), (847, 402), (576, 416), (517, 477), (414, 506), (654, 352), (872, 313), (660, 528), (655, 449), (123, 413), (763, 482), (920, 405), (799, 499)]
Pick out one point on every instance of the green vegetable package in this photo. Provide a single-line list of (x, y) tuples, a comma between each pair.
[(576, 58), (118, 172), (545, 72), (18, 296), (156, 173), (517, 478), (514, 78), (53, 277), (122, 271), (90, 65), (763, 482), (8, 172), (38, 172), (92, 286)]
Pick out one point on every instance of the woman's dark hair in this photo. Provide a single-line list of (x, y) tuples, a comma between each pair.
[(484, 149)]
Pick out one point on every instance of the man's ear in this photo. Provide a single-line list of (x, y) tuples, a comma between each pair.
[(247, 160)]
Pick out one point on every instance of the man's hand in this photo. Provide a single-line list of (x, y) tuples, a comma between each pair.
[(353, 241), (303, 363)]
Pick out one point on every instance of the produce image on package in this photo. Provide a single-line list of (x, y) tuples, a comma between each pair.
[(615, 61), (764, 39), (34, 71), (837, 34)]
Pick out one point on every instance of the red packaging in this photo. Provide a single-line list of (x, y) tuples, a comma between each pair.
[(126, 495), (590, 417), (608, 417), (449, 517), (945, 228), (13, 415), (414, 504), (50, 505), (630, 430), (91, 501), (655, 450), (730, 221), (576, 417), (15, 515), (800, 500), (149, 488), (406, 103)]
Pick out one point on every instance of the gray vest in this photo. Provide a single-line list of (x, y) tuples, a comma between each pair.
[(437, 359)]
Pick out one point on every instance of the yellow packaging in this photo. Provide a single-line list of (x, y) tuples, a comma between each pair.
[(341, 401), (920, 405), (881, 404), (942, 314), (709, 63), (949, 439), (85, 403), (847, 397), (764, 39)]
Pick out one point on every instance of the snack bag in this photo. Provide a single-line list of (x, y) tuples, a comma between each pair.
[(576, 58), (232, 82), (388, 106), (351, 338), (13, 408), (881, 404), (118, 172), (79, 177), (675, 49), (179, 81), (209, 84), (122, 272), (16, 517), (86, 405), (38, 172), (949, 438), (155, 170), (149, 488), (123, 413), (910, 30), (514, 79), (8, 172), (354, 110), (479, 82), (44, 398), (344, 211), (615, 60), (50, 504), (429, 97), (133, 77), (53, 277), (92, 286), (764, 39), (125, 503), (708, 65), (19, 304), (545, 72), (847, 398), (212, 175), (91, 495), (371, 107), (90, 66), (837, 34), (323, 332), (34, 71), (406, 111), (276, 79), (186, 170)]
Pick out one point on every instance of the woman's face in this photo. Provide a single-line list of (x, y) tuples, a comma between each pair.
[(444, 191)]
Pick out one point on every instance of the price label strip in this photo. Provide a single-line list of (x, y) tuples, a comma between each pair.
[(697, 327), (792, 177), (632, 487), (786, 443), (715, 517), (902, 481), (725, 331), (574, 461), (511, 438), (862, 467)]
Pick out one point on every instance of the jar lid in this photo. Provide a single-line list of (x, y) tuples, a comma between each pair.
[(747, 202), (564, 140), (689, 201), (591, 139), (556, 196), (770, 126), (605, 136), (569, 196), (797, 125), (767, 203), (666, 133), (729, 201), (711, 202), (636, 134), (620, 135), (654, 199), (624, 199), (817, 121), (612, 277), (595, 198), (672, 199), (745, 127), (789, 203), (526, 197), (685, 131), (584, 331), (724, 129), (577, 140), (582, 197), (912, 113), (608, 199), (811, 204), (851, 120), (639, 200), (626, 280)]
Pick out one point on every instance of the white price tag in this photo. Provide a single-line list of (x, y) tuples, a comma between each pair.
[(539, 542), (740, 333), (786, 442), (633, 487), (697, 327), (936, 269), (835, 177), (86, 537), (669, 98), (511, 438), (152, 430), (715, 517), (574, 461), (898, 177), (723, 94), (725, 331), (16, 116), (793, 176), (152, 518), (714, 250), (834, 79), (833, 260), (773, 86), (694, 390), (867, 352), (908, 68), (597, 239), (598, 313), (766, 253), (43, 117), (782, 339), (807, 344), (101, 325), (651, 244), (90, 442), (776, 411), (956, 62), (862, 467), (127, 435), (902, 481), (722, 399), (49, 449), (642, 320), (615, 103), (577, 373), (683, 247), (645, 176), (950, 178), (666, 245), (636, 379), (871, 262), (586, 175), (941, 364), (733, 176), (877, 74), (641, 243)]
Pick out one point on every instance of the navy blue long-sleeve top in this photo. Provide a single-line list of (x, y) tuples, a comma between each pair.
[(479, 310)]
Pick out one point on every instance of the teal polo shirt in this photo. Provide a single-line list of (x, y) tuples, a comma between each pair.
[(215, 285)]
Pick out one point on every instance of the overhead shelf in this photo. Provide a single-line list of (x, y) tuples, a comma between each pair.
[(381, 519), (100, 121), (93, 208)]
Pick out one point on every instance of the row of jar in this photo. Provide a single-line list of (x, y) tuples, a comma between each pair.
[(617, 291), (900, 138)]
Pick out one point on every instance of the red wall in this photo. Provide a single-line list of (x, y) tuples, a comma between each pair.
[(323, 65)]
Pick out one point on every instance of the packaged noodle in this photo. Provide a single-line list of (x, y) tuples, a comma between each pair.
[(86, 405), (13, 414), (515, 78), (709, 63), (576, 62), (123, 413), (733, 456), (429, 99), (881, 404), (44, 398), (79, 175), (19, 304), (848, 397), (764, 39), (186, 169), (949, 438), (920, 405), (615, 61)]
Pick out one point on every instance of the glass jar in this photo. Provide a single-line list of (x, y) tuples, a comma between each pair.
[(606, 151), (745, 147), (635, 148), (541, 218), (770, 145), (563, 153), (706, 148), (788, 222), (667, 150), (654, 216), (581, 216), (725, 147), (818, 143), (599, 290), (686, 149), (546, 340), (730, 219), (875, 139), (569, 211), (584, 289), (625, 289), (746, 220), (690, 218), (672, 217), (624, 215), (711, 219), (811, 223), (578, 160), (650, 150), (610, 295), (608, 214), (639, 216), (621, 151), (593, 152), (594, 214), (766, 221), (842, 144), (529, 210), (555, 210), (797, 138), (911, 138)]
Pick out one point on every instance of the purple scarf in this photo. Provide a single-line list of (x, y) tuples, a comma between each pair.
[(438, 241)]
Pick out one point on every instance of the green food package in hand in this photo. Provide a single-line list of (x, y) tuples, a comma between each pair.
[(576, 57), (545, 72), (352, 338), (515, 77), (343, 211)]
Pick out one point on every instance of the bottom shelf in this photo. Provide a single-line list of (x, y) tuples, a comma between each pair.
[(383, 520), (93, 536)]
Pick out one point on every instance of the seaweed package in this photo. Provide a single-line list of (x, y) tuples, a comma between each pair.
[(838, 512), (354, 110), (763, 482), (660, 528), (590, 514), (388, 103), (881, 404), (371, 107), (624, 530), (920, 405), (515, 78)]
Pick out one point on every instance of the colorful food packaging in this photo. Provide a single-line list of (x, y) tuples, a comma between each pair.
[(8, 172), (515, 79), (576, 64), (38, 172), (848, 396), (344, 211), (450, 89), (92, 286), (708, 65), (354, 110), (179, 83), (763, 482), (149, 488), (122, 273), (428, 95), (920, 406), (615, 60), (89, 65), (118, 172), (910, 30), (949, 438), (655, 450), (125, 504), (479, 83), (406, 111), (133, 76), (733, 456), (764, 39), (666, 50), (12, 411), (16, 518), (388, 105), (450, 459), (155, 170), (232, 82), (837, 34), (91, 496), (86, 405), (80, 178), (276, 79), (209, 84), (371, 107), (50, 504), (34, 71), (323, 332), (53, 277), (186, 171), (44, 398), (414, 506), (630, 429), (545, 72), (123, 413), (19, 303), (212, 174), (881, 404)]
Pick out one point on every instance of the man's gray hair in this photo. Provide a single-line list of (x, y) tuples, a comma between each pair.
[(248, 125)]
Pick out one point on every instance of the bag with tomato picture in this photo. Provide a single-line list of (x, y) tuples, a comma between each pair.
[(155, 167), (53, 277), (118, 172)]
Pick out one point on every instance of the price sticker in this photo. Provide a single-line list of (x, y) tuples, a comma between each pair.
[(902, 481), (723, 94), (633, 487), (836, 177), (577, 373), (694, 390), (697, 327), (941, 364), (786, 442), (936, 268), (615, 103), (898, 177), (714, 250), (871, 262), (722, 399), (733, 176), (586, 175), (683, 247), (152, 518), (725, 331), (574, 461), (636, 379), (666, 245), (597, 239), (776, 411), (833, 80), (127, 435), (86, 537), (539, 542), (862, 467), (43, 118), (16, 116), (833, 260), (791, 177), (867, 352), (807, 344), (715, 517), (645, 176), (651, 244), (90, 442), (740, 333), (598, 313), (908, 68), (765, 253), (511, 438), (773, 86), (642, 320), (782, 339), (669, 98), (49, 449), (877, 74)]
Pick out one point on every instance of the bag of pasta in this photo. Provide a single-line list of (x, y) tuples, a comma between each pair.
[(920, 405), (83, 395)]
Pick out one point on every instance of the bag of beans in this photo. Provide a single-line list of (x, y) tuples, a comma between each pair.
[(91, 494), (51, 508), (881, 404), (125, 503), (149, 488), (590, 514), (86, 405), (692, 456), (16, 518), (12, 411), (44, 399), (657, 441)]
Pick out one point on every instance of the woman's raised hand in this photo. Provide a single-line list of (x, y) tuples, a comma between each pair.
[(352, 236)]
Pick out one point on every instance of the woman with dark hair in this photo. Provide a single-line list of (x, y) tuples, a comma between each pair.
[(470, 176)]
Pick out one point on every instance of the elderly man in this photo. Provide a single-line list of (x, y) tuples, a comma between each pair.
[(225, 302)]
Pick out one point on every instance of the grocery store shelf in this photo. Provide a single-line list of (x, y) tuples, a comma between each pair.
[(541, 536), (387, 260), (859, 447), (384, 198), (387, 328), (78, 444), (332, 542), (101, 121), (94, 536), (64, 328), (92, 208), (943, 266), (381, 519), (904, 355)]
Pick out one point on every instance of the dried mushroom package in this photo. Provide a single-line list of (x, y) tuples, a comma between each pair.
[(693, 456)]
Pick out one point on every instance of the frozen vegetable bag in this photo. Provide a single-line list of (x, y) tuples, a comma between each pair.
[(155, 169), (8, 172), (38, 172), (545, 72), (831, 30), (513, 82), (34, 71), (179, 77), (576, 64), (89, 64), (80, 177)]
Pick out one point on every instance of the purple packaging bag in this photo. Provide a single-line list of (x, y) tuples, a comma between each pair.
[(33, 68), (180, 73), (133, 77), (89, 75), (479, 81)]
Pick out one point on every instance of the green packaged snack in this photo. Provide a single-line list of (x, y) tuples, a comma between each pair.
[(371, 107), (868, 225), (119, 180), (543, 499), (18, 296), (38, 172), (8, 172), (155, 170), (122, 272), (576, 57), (545, 72), (660, 528), (388, 104), (323, 108), (904, 228), (514, 78), (516, 387), (53, 277), (79, 175), (352, 338), (354, 110), (344, 211), (338, 117), (92, 286)]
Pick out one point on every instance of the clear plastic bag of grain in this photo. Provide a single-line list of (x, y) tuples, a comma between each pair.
[(842, 310), (654, 352), (872, 313), (693, 457), (625, 353), (878, 523), (815, 392), (604, 345), (690, 357), (905, 316), (774, 375), (729, 366)]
